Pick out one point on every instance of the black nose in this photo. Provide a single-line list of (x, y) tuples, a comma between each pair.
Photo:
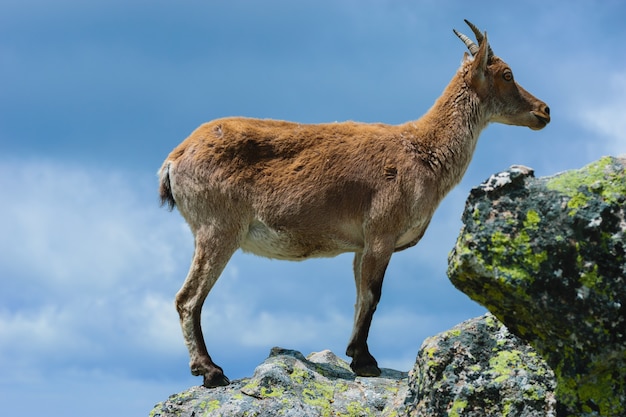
[(547, 110)]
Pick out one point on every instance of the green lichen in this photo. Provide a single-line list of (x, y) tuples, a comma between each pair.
[(505, 364), (533, 393), (210, 406), (589, 276), (271, 392), (319, 396), (475, 368), (299, 375), (341, 387), (252, 385), (457, 408), (532, 220), (595, 390), (476, 216), (490, 321), (454, 333), (592, 180), (502, 245), (591, 279), (507, 408), (356, 409), (430, 354)]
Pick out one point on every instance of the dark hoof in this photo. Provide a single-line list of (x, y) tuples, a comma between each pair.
[(216, 379), (365, 370)]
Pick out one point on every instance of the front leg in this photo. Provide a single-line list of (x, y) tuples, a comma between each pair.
[(369, 272)]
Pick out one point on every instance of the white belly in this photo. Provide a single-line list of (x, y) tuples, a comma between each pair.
[(292, 245), (413, 234)]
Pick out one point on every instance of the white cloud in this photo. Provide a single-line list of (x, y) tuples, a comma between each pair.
[(85, 261), (31, 337), (81, 393), (84, 229), (154, 324), (606, 115), (295, 329)]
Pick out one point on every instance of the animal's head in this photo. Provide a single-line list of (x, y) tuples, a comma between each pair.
[(492, 79)]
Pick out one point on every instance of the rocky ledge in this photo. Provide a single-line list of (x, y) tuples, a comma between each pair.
[(288, 384), (476, 369)]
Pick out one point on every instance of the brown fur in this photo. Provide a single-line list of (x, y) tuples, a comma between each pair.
[(294, 191)]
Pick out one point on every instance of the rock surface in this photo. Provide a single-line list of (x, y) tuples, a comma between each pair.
[(288, 384), (479, 369), (476, 369), (547, 257)]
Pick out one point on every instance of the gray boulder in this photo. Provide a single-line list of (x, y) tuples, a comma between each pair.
[(547, 257), (479, 369)]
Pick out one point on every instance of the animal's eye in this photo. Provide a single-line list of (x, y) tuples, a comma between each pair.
[(507, 75)]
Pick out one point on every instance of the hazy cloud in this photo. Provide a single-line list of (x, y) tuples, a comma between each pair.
[(606, 113)]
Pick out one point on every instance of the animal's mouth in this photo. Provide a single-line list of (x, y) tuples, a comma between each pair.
[(542, 119)]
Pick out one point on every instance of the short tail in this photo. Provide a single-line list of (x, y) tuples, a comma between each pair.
[(165, 187)]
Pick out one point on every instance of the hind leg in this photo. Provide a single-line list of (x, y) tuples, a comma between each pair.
[(213, 249)]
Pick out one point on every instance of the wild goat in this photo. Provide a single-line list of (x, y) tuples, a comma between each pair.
[(293, 191)]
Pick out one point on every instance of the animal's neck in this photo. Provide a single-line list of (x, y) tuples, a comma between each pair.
[(448, 132)]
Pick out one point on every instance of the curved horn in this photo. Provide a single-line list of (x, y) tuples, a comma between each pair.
[(467, 41), (478, 34)]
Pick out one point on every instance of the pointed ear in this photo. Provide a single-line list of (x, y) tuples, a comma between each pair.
[(482, 57)]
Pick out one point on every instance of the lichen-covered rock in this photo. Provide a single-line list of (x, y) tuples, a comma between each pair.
[(479, 369), (288, 384), (547, 256), (475, 369)]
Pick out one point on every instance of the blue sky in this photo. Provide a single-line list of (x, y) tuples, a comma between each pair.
[(95, 95)]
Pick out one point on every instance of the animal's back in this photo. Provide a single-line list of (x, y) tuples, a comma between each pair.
[(269, 155), (307, 190)]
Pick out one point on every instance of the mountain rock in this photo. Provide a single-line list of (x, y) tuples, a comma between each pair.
[(288, 384), (547, 257), (478, 369)]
